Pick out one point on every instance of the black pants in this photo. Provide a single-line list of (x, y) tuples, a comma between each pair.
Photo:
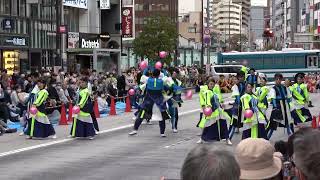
[(4, 112), (95, 122), (162, 125)]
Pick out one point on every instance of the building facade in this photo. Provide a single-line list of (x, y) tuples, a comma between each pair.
[(257, 26), (231, 16), (27, 34)]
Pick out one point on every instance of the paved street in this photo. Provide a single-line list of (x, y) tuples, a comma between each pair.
[(112, 155)]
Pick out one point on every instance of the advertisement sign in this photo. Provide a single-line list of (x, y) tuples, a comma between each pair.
[(14, 41), (127, 22), (83, 4), (7, 24), (73, 40), (104, 4), (89, 41)]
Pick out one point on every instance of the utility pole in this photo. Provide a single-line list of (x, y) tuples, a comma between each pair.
[(208, 45), (229, 25), (202, 46), (63, 41)]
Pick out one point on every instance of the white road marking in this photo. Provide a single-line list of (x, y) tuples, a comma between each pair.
[(8, 153)]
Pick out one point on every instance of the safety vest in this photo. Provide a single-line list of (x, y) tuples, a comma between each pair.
[(155, 84), (85, 101), (203, 89), (262, 93), (300, 93), (42, 96)]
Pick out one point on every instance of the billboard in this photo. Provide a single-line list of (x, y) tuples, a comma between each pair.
[(127, 18)]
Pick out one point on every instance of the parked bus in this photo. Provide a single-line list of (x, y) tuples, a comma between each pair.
[(288, 61)]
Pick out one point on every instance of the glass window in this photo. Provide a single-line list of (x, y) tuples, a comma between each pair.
[(191, 30), (22, 7), (127, 2), (5, 6), (34, 11)]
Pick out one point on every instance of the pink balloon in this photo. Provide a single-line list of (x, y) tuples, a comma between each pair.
[(158, 65), (33, 110), (207, 111), (162, 54), (248, 113), (189, 94), (131, 92), (76, 109), (143, 65)]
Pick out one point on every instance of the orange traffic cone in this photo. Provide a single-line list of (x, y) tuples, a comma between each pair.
[(112, 108), (128, 104), (96, 109), (70, 113), (314, 122), (63, 118)]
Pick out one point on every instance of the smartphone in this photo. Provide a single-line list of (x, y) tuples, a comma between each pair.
[(288, 170)]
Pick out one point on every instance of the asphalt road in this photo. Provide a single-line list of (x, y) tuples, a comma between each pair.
[(111, 155)]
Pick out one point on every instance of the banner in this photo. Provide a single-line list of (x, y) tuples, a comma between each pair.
[(73, 40), (104, 4), (83, 4), (127, 22)]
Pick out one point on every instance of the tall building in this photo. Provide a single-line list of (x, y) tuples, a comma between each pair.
[(27, 34), (231, 16), (257, 26), (93, 38), (286, 22)]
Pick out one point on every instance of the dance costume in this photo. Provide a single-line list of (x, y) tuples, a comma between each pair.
[(39, 125), (215, 127), (175, 101), (82, 125), (300, 101), (253, 127)]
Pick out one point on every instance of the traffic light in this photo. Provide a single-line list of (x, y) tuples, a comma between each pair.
[(268, 33)]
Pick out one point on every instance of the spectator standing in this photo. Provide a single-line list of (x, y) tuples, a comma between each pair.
[(207, 163), (258, 160)]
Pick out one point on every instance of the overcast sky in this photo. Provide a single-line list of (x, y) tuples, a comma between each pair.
[(188, 5)]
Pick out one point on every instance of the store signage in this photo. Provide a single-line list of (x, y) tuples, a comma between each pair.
[(83, 4), (104, 4), (62, 29), (14, 41), (73, 40), (127, 22), (90, 44), (7, 24), (105, 37)]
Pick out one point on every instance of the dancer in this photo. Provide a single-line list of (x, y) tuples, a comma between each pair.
[(262, 95), (280, 114), (154, 89), (252, 78), (300, 100), (39, 125), (175, 101), (82, 125), (215, 126), (253, 127), (238, 90)]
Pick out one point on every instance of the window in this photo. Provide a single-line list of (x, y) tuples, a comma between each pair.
[(191, 30), (5, 6), (34, 11), (127, 2)]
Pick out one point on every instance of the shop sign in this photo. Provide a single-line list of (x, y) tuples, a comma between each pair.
[(89, 41), (73, 40), (7, 24), (83, 4), (127, 22), (104, 4), (14, 41), (105, 37)]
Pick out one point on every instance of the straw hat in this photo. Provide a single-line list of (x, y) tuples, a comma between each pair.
[(257, 159)]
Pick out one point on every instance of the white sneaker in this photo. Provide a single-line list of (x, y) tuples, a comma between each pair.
[(200, 141), (91, 138), (21, 134), (149, 123), (54, 137), (163, 135), (229, 142), (175, 131), (28, 137), (134, 132), (134, 118), (70, 136), (97, 132)]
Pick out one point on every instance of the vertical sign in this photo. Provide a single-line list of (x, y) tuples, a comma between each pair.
[(318, 17), (104, 4), (127, 22)]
